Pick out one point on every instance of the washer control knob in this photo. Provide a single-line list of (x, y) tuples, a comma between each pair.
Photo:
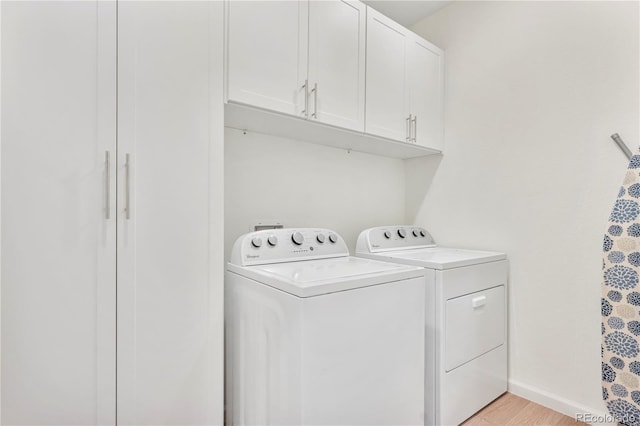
[(272, 240), (320, 238), (422, 234), (256, 242), (415, 233), (297, 238), (333, 238), (402, 233), (387, 234)]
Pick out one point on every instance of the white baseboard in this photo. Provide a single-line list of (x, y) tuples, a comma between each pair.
[(569, 408)]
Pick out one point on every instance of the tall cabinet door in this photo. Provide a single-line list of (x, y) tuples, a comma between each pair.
[(337, 31), (169, 247), (425, 78), (58, 213), (387, 102), (267, 54)]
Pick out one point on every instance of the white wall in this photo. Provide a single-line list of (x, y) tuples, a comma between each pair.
[(270, 179), (533, 91)]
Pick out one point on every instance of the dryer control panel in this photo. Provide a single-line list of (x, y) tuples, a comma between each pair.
[(287, 245), (398, 237)]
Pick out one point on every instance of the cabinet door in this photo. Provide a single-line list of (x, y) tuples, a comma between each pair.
[(267, 54), (387, 104), (169, 248), (425, 84), (58, 246), (337, 63)]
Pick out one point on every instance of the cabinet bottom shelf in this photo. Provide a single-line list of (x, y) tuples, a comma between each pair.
[(244, 117)]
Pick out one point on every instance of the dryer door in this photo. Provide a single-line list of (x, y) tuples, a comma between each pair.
[(474, 325)]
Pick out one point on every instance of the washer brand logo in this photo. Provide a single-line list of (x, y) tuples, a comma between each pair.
[(375, 245), (253, 256)]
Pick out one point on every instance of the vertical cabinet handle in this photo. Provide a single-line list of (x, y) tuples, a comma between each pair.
[(127, 188), (415, 128), (107, 185), (315, 100), (305, 87), (408, 129)]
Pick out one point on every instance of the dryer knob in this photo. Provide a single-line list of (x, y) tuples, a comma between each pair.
[(272, 240), (297, 238), (387, 234), (320, 238), (333, 238), (402, 233), (256, 242), (415, 233), (422, 234)]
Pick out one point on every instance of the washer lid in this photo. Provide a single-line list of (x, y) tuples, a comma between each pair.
[(323, 276), (441, 257)]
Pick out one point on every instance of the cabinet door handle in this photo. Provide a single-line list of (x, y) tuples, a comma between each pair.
[(315, 100), (107, 185), (127, 188), (478, 302), (408, 129), (305, 87), (415, 128)]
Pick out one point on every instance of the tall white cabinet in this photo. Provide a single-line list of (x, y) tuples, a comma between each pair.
[(111, 213), (58, 249)]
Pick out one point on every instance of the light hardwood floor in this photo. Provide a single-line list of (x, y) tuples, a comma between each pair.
[(513, 410)]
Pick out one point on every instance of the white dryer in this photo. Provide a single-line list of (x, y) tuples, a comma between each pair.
[(466, 335), (317, 337)]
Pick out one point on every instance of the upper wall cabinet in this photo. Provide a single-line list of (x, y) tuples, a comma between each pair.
[(337, 63), (404, 84), (387, 86), (333, 72), (425, 92), (267, 54), (298, 57)]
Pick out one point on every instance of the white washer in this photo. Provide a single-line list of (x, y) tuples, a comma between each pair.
[(466, 335), (317, 337)]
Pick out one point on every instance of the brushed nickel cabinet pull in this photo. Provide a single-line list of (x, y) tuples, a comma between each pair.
[(305, 87), (315, 100), (415, 128)]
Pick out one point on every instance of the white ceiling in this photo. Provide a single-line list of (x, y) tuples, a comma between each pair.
[(406, 12)]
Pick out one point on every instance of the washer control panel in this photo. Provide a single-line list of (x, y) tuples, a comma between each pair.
[(287, 245), (385, 238)]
